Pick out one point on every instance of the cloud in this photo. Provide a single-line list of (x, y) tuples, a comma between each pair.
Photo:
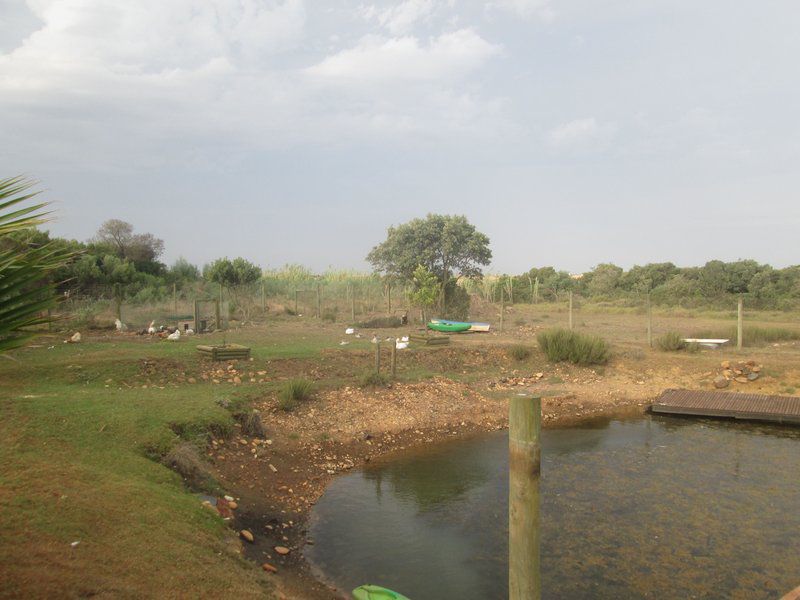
[(525, 8), (401, 18), (579, 133), (377, 58)]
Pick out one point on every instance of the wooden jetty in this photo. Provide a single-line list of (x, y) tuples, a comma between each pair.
[(751, 407)]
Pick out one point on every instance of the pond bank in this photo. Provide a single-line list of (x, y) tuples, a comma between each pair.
[(278, 483)]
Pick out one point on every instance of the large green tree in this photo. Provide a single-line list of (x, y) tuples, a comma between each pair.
[(448, 246), (26, 285)]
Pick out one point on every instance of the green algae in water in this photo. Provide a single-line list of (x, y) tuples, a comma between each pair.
[(645, 508)]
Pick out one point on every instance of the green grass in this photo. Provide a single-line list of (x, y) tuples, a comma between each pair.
[(578, 348), (519, 352), (754, 335), (374, 379), (293, 392)]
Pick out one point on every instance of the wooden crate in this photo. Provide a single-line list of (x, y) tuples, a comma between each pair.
[(226, 352)]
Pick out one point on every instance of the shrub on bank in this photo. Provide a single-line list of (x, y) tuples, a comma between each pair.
[(519, 352), (293, 391), (672, 341), (374, 379), (578, 348)]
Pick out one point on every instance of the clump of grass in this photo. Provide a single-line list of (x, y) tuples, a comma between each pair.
[(374, 379), (184, 459), (294, 391), (330, 314), (289, 311), (578, 348), (520, 322), (252, 425), (519, 352), (672, 341), (380, 323)]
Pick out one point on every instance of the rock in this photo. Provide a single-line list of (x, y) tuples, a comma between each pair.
[(725, 364), (272, 468), (741, 379), (721, 382), (233, 505), (269, 568), (752, 376), (246, 535), (756, 369), (282, 550)]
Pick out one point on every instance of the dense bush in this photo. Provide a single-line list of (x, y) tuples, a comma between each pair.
[(293, 391), (380, 323), (578, 348), (519, 352), (671, 341), (374, 379)]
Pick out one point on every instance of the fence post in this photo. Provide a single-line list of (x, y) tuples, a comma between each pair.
[(649, 322), (295, 302), (536, 291), (389, 296), (175, 297), (319, 302), (217, 309), (740, 324), (502, 308), (394, 359), (197, 317), (524, 467), (353, 305), (263, 297), (570, 310), (378, 356)]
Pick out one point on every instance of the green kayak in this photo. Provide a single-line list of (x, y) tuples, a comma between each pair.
[(376, 592), (450, 327)]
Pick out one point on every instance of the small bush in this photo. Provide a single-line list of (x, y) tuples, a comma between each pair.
[(293, 391), (380, 323), (184, 459), (520, 322), (672, 341), (519, 352), (252, 425), (330, 314), (374, 379), (578, 348), (289, 311)]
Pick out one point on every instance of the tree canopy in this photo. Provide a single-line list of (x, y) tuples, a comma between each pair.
[(446, 245)]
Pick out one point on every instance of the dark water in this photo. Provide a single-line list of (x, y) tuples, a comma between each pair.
[(645, 508)]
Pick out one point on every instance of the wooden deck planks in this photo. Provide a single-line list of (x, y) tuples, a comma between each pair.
[(756, 407)]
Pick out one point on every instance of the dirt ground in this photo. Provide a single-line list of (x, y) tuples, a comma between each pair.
[(440, 393)]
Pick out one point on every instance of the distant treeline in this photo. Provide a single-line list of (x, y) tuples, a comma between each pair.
[(715, 284)]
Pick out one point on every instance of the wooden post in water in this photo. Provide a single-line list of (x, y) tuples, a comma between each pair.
[(378, 356), (649, 322), (524, 467), (570, 310), (394, 359), (740, 324)]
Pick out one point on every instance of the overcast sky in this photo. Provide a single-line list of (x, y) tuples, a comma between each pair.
[(571, 132)]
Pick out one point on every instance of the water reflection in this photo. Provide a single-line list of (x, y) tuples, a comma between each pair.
[(643, 508)]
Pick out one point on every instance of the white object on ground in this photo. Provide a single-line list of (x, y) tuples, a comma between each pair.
[(151, 328), (189, 331), (175, 336), (349, 331), (76, 337), (120, 325)]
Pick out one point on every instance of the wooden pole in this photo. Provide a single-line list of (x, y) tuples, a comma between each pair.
[(378, 356), (217, 312), (263, 296), (389, 297), (295, 302), (740, 324), (175, 297), (353, 305), (502, 308), (649, 322), (394, 359), (319, 302), (524, 467), (197, 317), (570, 310)]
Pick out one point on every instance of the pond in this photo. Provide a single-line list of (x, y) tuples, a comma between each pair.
[(651, 507)]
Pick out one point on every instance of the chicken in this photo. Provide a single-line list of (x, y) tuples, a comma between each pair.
[(75, 339), (174, 336), (151, 329)]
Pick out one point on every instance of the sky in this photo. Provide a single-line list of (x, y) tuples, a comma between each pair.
[(571, 132)]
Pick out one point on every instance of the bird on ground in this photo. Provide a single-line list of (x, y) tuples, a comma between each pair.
[(400, 345), (343, 343), (189, 331), (349, 331), (120, 325), (175, 335), (374, 339), (404, 338), (75, 339), (151, 329)]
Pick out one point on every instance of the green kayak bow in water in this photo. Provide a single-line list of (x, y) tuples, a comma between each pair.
[(376, 592)]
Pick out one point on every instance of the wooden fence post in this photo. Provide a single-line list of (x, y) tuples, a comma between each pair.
[(394, 359), (319, 302), (649, 322), (570, 310), (197, 317), (217, 309), (175, 297), (502, 308), (740, 324), (295, 302), (353, 305), (263, 296), (378, 356), (524, 467), (389, 297)]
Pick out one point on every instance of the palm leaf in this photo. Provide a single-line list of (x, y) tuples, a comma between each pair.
[(25, 288)]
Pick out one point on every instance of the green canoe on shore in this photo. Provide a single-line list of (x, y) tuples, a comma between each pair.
[(376, 592), (449, 327)]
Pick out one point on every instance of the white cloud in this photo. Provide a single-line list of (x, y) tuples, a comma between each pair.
[(378, 58), (525, 8), (579, 133), (401, 18)]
